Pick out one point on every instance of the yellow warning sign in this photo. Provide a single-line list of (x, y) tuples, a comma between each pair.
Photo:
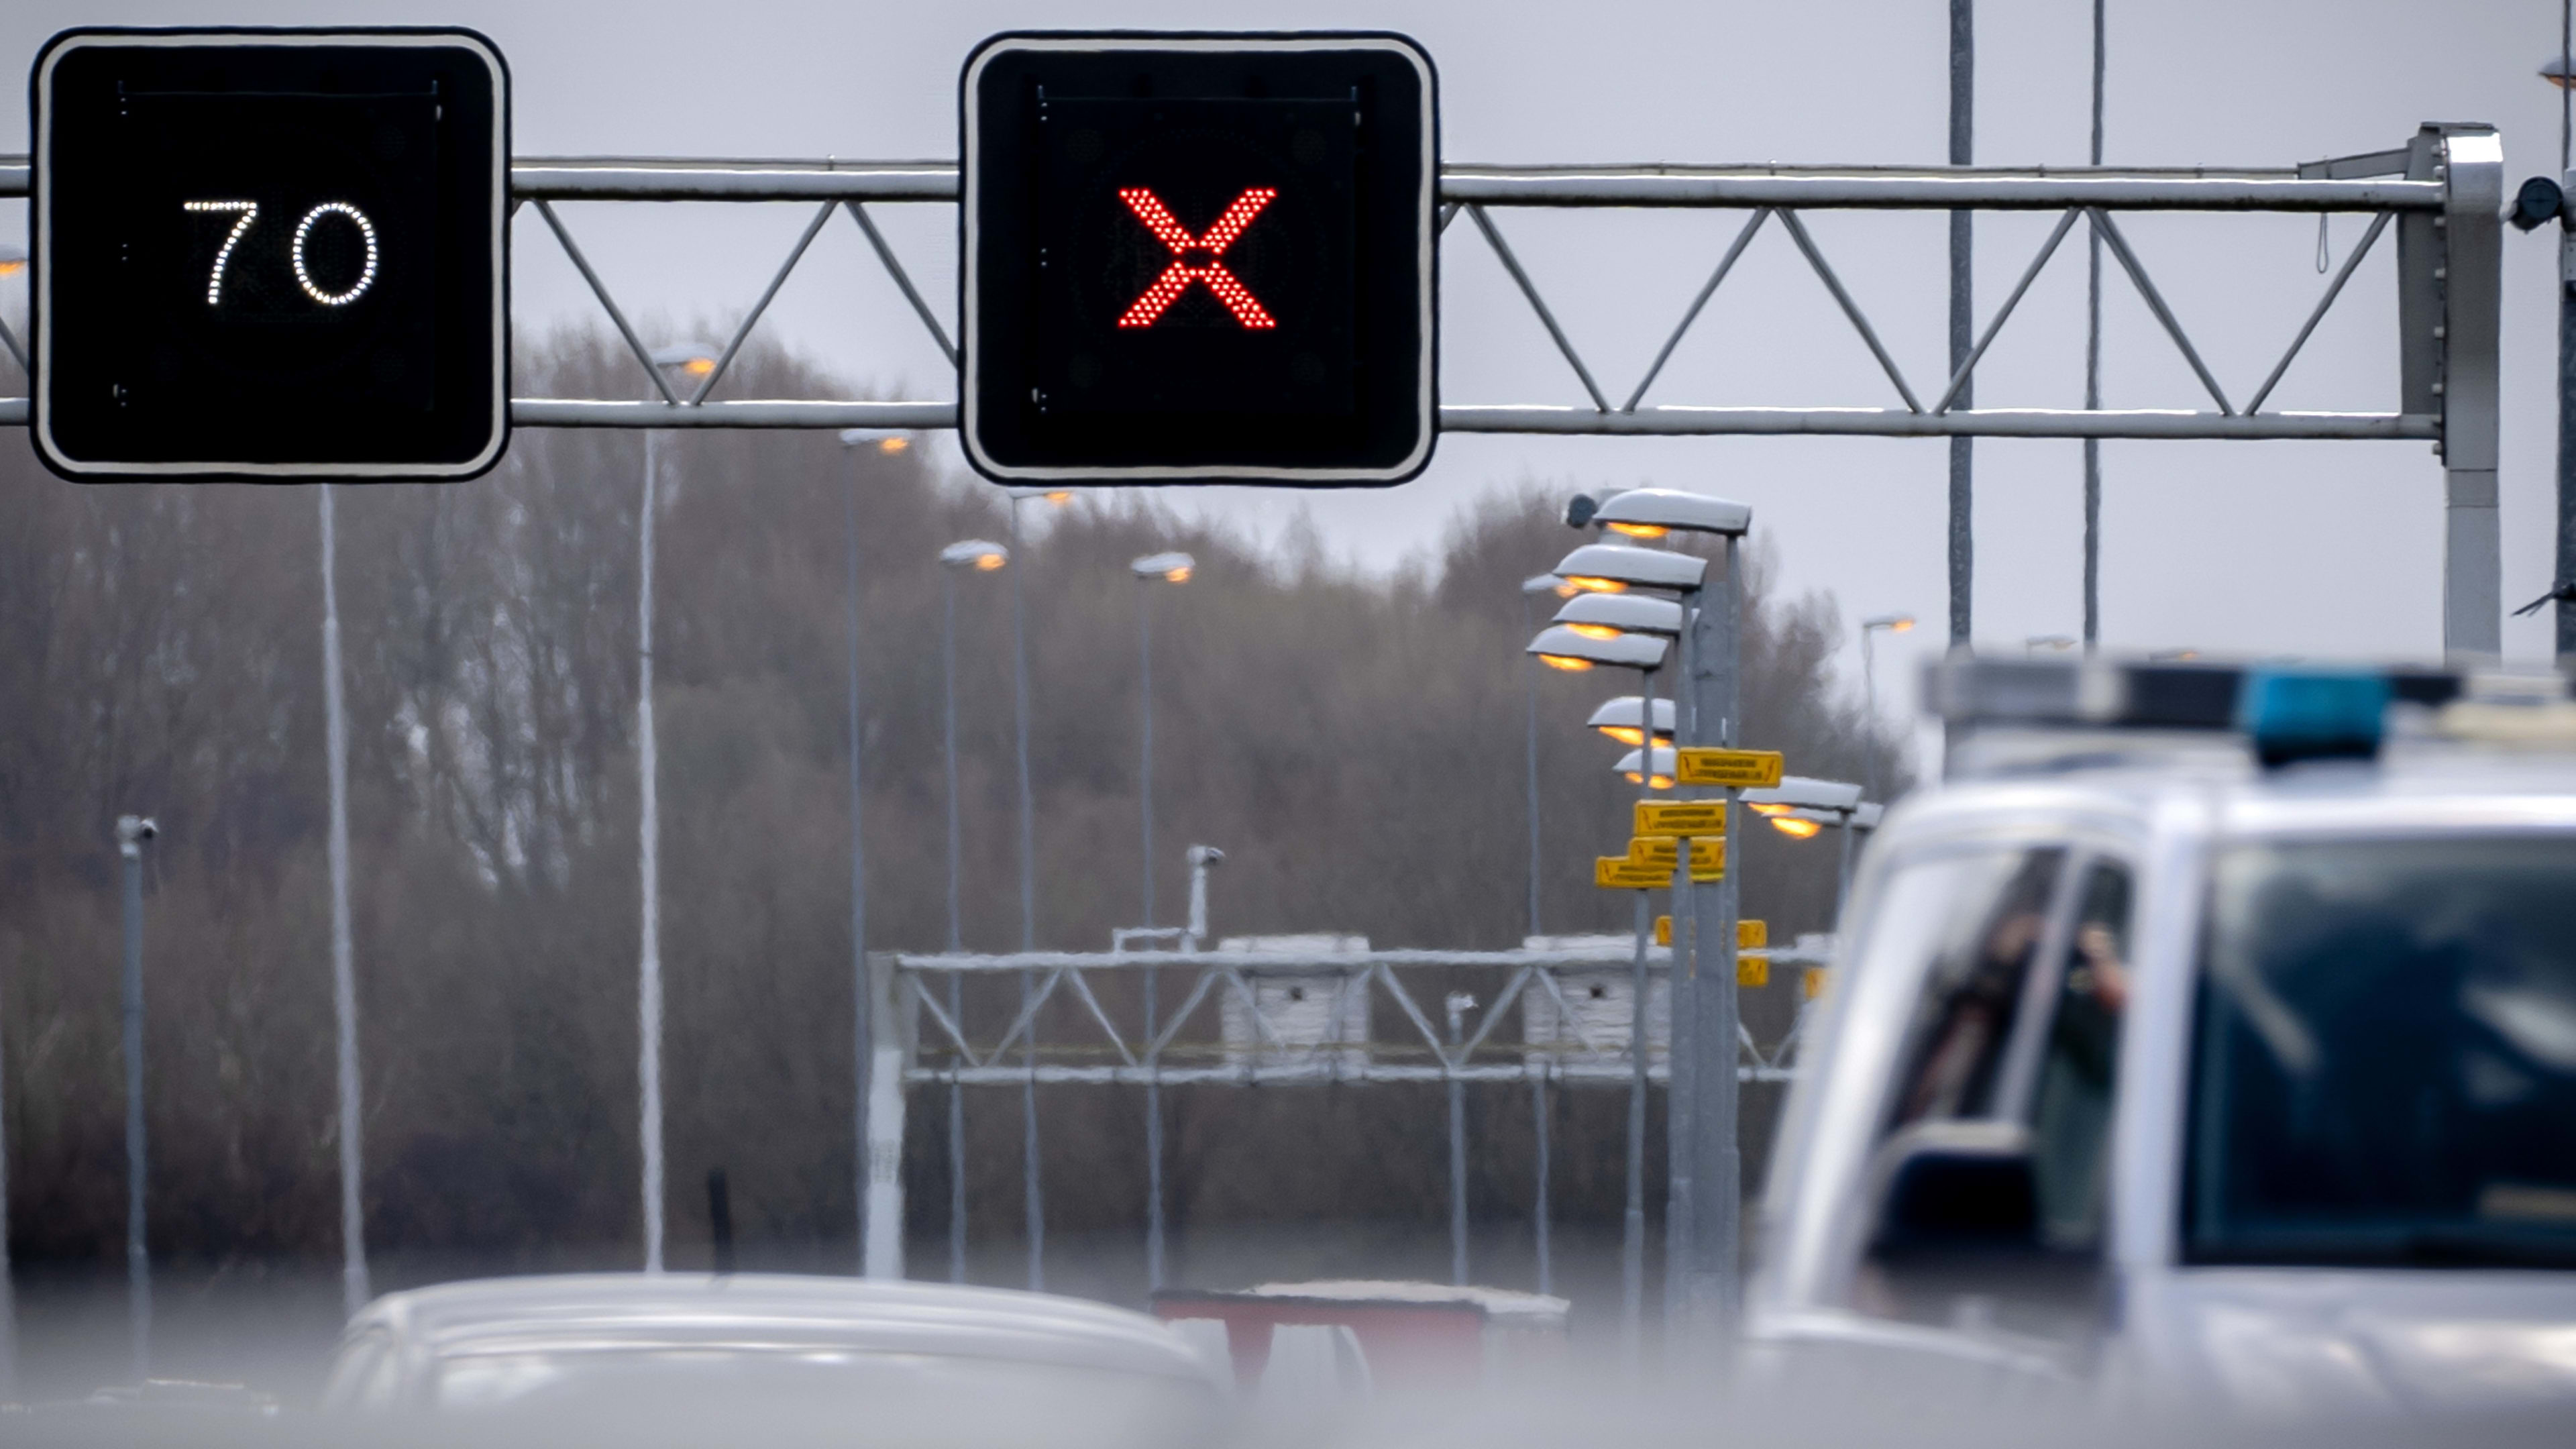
[(1818, 978), (1618, 873), (1663, 852), (1752, 970), (1701, 818), (1735, 769), (1749, 935)]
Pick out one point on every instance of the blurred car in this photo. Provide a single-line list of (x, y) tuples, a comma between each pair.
[(2209, 1040), (675, 1357)]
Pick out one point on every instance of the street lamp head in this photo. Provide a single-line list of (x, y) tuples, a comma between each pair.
[(2037, 642), (1800, 824), (1547, 584), (1559, 646), (12, 260), (1171, 568), (131, 832), (1892, 623), (1802, 792), (1633, 765), (2554, 71), (697, 359), (1603, 616), (1654, 512), (1057, 496), (883, 442), (1612, 568), (1624, 719), (976, 554)]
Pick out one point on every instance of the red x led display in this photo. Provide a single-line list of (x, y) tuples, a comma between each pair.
[(1198, 259)]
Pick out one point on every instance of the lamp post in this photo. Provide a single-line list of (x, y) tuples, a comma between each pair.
[(2561, 72), (344, 976), (1531, 588), (1561, 646), (131, 833), (1869, 629), (1036, 1205), (1706, 1248), (695, 360), (877, 1259), (982, 557), (1153, 568)]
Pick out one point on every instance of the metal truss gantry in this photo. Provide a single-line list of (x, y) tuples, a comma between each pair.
[(1230, 1030), (2443, 191)]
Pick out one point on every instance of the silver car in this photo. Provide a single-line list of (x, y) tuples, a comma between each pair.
[(2226, 1069), (680, 1357)]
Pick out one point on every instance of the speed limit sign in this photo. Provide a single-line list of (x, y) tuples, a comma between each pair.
[(271, 255)]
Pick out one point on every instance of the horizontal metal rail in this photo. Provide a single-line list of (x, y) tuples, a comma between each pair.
[(1669, 422), (1301, 1074), (1927, 188)]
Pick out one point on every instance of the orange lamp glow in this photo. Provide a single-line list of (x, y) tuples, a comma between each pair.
[(1598, 586), (1795, 828), (1566, 662), (1772, 808), (1659, 782), (893, 445), (1595, 631), (1060, 497), (1640, 530), (698, 366), (987, 562)]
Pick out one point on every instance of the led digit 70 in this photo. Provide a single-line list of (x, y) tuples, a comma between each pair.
[(247, 213)]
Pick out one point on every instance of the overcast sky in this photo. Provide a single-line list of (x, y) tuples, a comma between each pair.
[(2319, 549)]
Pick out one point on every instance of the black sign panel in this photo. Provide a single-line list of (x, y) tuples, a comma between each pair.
[(1199, 259), (271, 255)]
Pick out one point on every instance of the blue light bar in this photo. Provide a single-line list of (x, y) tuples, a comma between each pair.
[(2312, 714)]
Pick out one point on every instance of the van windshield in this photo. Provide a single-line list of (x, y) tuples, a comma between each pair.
[(2385, 1061)]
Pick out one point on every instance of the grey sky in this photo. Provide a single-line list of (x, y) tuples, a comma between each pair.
[(2273, 548)]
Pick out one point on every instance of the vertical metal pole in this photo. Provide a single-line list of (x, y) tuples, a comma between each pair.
[(138, 1261), (2092, 373), (2472, 250), (8, 1285), (1842, 878), (1529, 670), (863, 991), (1710, 1290), (882, 1127), (648, 850), (948, 725), (1153, 1145), (1632, 1247), (1538, 1206), (344, 978), (1963, 545), (1145, 765), (1031, 1184), (1869, 715), (956, 932), (1457, 1143), (956, 1146), (2566, 574), (1681, 1059)]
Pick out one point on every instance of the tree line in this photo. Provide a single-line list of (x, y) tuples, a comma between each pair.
[(1353, 742)]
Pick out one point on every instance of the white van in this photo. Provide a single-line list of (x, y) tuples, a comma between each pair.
[(2172, 1063)]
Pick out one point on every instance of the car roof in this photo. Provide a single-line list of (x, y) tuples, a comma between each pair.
[(608, 1312), (2410, 789)]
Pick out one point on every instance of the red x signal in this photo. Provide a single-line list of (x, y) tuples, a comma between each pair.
[(1196, 258)]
